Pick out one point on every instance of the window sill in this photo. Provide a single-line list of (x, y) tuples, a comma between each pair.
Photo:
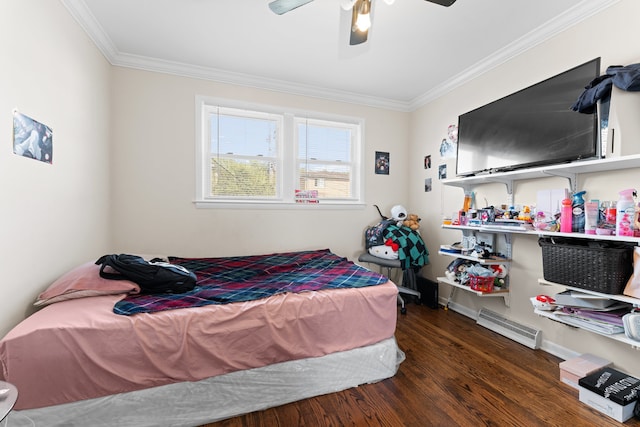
[(323, 205)]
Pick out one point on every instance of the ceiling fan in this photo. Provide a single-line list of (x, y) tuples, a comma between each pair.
[(360, 15)]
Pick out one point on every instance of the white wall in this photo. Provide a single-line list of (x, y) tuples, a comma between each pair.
[(612, 35), (154, 180), (53, 216)]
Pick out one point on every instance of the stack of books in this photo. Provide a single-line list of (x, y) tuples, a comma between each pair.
[(591, 312)]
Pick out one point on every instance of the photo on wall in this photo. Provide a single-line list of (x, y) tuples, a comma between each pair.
[(442, 171), (428, 185), (382, 163), (31, 138)]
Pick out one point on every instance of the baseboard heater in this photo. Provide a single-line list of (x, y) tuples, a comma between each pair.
[(510, 329)]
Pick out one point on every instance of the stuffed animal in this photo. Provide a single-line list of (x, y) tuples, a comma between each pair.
[(399, 214), (412, 221), (388, 251)]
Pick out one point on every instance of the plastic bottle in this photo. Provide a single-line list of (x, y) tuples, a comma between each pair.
[(636, 231), (463, 218), (610, 213), (468, 201), (625, 214), (591, 216), (566, 216), (577, 220)]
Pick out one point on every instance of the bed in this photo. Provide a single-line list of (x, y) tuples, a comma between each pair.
[(81, 361)]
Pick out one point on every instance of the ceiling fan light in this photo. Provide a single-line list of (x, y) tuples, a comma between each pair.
[(389, 2), (363, 23)]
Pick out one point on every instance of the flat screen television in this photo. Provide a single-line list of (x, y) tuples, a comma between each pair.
[(532, 127)]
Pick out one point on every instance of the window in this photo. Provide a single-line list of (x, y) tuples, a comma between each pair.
[(262, 155)]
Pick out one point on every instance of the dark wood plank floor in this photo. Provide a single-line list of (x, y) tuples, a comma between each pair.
[(456, 374)]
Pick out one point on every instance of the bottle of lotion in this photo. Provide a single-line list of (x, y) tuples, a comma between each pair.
[(625, 214), (577, 220), (591, 210)]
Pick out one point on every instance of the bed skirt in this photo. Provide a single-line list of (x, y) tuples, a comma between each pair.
[(224, 396)]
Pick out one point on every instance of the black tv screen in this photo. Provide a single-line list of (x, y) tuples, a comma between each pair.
[(532, 127)]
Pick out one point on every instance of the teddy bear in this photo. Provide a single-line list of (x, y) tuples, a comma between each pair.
[(412, 221)]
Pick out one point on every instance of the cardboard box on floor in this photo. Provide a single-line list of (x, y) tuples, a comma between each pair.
[(571, 370)]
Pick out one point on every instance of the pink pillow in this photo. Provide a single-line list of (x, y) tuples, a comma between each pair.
[(84, 281)]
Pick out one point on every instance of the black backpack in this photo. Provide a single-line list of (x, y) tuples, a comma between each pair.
[(153, 277)]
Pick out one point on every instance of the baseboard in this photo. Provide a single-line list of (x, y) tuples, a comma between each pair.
[(546, 345), (557, 350), (459, 308)]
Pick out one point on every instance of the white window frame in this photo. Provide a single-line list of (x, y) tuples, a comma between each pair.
[(287, 157)]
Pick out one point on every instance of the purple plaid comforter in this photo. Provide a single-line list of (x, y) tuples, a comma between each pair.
[(246, 278)]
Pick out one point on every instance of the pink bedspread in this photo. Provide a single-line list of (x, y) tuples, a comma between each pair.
[(80, 349)]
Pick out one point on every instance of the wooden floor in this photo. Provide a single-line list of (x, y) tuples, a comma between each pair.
[(455, 374)]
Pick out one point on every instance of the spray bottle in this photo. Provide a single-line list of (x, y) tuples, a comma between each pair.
[(626, 211), (565, 215), (577, 220), (636, 231)]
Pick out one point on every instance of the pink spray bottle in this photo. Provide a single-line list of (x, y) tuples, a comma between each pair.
[(626, 213), (566, 214)]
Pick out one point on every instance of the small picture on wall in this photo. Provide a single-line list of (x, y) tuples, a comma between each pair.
[(427, 162), (428, 186), (442, 171), (31, 138), (382, 163)]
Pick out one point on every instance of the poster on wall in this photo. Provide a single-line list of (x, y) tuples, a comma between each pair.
[(449, 145), (31, 138), (382, 163)]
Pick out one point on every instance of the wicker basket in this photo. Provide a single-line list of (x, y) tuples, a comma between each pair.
[(597, 266), (481, 283)]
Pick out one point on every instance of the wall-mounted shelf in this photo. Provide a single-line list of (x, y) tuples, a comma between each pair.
[(570, 171), (621, 337), (538, 233), (566, 170), (494, 260), (563, 318), (502, 293), (622, 298)]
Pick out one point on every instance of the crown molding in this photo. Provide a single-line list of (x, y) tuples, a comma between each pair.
[(562, 22), (229, 77), (83, 16), (81, 13)]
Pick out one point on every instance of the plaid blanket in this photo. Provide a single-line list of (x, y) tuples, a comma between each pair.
[(245, 278), (413, 252)]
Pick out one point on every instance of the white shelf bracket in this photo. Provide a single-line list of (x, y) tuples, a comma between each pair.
[(572, 177), (507, 299), (507, 241), (509, 184)]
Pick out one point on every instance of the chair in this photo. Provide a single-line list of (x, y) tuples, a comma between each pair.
[(389, 264)]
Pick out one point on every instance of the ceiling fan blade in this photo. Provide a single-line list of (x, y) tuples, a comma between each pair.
[(284, 6), (446, 3)]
